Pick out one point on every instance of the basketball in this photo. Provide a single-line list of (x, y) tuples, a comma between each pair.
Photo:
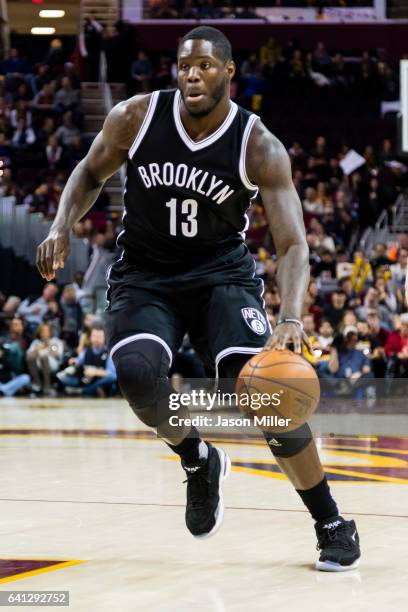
[(278, 390)]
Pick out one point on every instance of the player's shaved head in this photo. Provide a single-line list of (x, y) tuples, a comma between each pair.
[(220, 42)]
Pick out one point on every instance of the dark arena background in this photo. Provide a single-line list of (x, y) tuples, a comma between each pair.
[(92, 502)]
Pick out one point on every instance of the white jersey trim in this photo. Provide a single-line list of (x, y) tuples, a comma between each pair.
[(136, 337), (145, 124), (201, 144), (242, 158), (232, 350)]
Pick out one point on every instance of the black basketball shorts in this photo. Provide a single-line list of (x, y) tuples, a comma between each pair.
[(219, 303)]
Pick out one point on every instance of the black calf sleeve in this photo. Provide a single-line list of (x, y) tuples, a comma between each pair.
[(289, 443)]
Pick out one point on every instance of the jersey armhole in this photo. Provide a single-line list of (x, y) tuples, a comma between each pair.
[(145, 124), (242, 158)]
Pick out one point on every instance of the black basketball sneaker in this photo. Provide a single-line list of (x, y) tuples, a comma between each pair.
[(338, 541), (205, 504)]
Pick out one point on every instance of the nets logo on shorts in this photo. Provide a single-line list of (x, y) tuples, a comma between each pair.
[(255, 320)]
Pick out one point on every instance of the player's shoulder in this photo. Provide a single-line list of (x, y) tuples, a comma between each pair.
[(125, 119), (263, 141), (266, 154)]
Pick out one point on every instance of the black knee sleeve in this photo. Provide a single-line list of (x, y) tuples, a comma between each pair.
[(290, 443), (141, 369)]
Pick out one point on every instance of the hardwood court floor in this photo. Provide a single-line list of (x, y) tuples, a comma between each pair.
[(90, 502)]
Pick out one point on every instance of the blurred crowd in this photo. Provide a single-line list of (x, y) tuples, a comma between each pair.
[(49, 345), (40, 128), (225, 9), (200, 9), (368, 72), (354, 312)]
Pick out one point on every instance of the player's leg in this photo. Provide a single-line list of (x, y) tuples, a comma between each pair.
[(142, 366), (238, 326), (144, 331)]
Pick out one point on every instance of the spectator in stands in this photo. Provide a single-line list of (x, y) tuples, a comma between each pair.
[(85, 338), (326, 265), (44, 100), (24, 135), (349, 318), (68, 131), (53, 152), (297, 66), (92, 30), (14, 67), (41, 78), (12, 349), (311, 203), (44, 357), (380, 257), (335, 310), (325, 335), (53, 317), (309, 325), (372, 301), (44, 132), (346, 285), (321, 59), (73, 154), (141, 73), (378, 337), (396, 349), (95, 372), (67, 98), (189, 10), (8, 311), (33, 311), (55, 57), (208, 10), (385, 297), (271, 53), (20, 111), (72, 316), (250, 66), (321, 240), (318, 299), (398, 270), (347, 363), (16, 341)]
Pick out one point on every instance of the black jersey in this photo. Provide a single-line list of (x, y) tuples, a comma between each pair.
[(185, 201)]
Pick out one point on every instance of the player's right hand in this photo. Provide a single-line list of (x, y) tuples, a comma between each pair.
[(52, 253)]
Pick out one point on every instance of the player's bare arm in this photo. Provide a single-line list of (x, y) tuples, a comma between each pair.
[(108, 152), (268, 166)]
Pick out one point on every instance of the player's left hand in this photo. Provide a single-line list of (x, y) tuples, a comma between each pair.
[(288, 334)]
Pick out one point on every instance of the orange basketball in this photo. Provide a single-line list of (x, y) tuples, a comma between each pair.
[(278, 390)]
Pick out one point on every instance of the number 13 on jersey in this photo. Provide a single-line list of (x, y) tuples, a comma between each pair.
[(185, 217)]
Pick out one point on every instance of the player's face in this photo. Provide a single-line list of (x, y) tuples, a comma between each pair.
[(203, 77)]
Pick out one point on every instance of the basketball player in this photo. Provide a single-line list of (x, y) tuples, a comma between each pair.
[(194, 159)]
